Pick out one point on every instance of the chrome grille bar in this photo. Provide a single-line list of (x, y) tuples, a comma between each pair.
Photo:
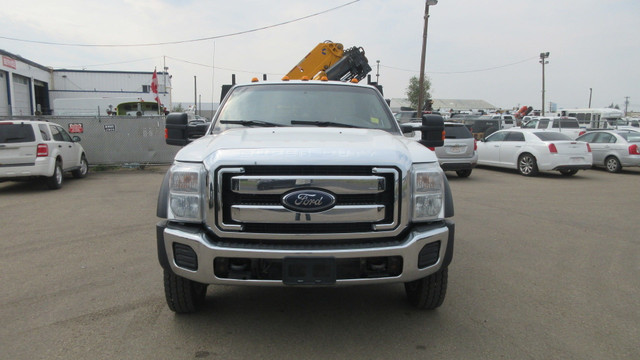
[(281, 184), (276, 214)]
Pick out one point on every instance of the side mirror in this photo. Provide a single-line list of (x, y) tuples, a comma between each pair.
[(175, 130), (432, 130), (179, 132), (76, 138)]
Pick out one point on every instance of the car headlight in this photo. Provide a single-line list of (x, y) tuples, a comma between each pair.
[(186, 192), (428, 192)]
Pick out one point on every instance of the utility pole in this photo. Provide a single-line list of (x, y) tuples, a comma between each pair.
[(195, 95), (590, 93), (424, 52), (543, 61), (626, 105)]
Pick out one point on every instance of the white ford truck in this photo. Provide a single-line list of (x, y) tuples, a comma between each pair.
[(304, 183)]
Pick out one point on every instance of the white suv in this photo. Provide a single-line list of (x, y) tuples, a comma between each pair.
[(39, 149)]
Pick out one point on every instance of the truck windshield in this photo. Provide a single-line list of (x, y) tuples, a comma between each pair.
[(306, 105)]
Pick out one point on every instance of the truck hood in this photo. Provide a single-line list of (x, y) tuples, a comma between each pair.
[(305, 145)]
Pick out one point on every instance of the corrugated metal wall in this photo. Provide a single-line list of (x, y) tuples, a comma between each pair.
[(120, 140)]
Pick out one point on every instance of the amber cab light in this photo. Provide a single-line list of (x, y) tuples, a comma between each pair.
[(43, 150), (553, 149)]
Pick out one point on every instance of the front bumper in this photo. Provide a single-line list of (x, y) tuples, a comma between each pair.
[(191, 253)]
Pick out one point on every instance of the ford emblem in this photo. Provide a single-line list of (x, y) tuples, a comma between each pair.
[(308, 201)]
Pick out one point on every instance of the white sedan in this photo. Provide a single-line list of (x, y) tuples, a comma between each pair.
[(533, 151)]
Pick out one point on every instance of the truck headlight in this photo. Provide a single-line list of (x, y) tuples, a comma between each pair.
[(428, 192), (186, 189)]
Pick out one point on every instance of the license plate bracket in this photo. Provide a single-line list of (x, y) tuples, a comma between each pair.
[(309, 270)]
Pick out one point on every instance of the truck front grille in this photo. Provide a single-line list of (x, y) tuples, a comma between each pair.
[(367, 199)]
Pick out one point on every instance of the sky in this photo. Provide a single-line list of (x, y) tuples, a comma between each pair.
[(487, 50)]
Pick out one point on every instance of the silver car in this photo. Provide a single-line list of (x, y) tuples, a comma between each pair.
[(614, 149), (459, 152)]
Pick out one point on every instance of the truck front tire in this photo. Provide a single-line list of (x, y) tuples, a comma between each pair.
[(183, 295), (429, 292)]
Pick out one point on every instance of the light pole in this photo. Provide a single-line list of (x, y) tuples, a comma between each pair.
[(543, 61), (424, 51)]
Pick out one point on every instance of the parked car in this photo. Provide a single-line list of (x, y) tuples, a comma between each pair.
[(39, 150), (532, 151), (405, 116), (614, 149), (459, 152), (567, 125), (481, 128)]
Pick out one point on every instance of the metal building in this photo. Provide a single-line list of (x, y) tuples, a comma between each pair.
[(28, 88)]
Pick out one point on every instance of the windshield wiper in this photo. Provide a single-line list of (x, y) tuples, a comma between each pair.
[(322, 123), (251, 123)]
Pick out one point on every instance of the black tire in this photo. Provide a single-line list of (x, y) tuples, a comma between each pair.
[(183, 295), (84, 168), (568, 172), (429, 292), (527, 165), (463, 173), (54, 181), (612, 164)]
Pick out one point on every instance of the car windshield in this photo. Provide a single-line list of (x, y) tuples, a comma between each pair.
[(305, 105), (16, 133), (551, 136)]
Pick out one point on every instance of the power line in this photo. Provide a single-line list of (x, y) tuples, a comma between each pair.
[(184, 41), (220, 68), (465, 71)]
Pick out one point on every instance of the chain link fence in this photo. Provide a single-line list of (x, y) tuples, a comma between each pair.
[(117, 140)]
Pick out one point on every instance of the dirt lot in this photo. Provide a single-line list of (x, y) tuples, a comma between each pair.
[(544, 268)]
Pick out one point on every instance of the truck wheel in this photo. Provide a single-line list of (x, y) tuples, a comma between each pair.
[(55, 181), (527, 165), (183, 295), (463, 173), (84, 168), (613, 164), (429, 292)]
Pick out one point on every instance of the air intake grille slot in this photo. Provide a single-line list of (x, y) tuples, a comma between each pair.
[(185, 257)]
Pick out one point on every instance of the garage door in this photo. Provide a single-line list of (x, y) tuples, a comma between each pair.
[(22, 95), (4, 97)]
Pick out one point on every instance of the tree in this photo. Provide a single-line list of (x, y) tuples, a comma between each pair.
[(413, 92), (178, 108), (612, 106)]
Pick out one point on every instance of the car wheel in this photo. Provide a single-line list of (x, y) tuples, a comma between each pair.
[(527, 165), (429, 292), (84, 168), (55, 181), (183, 295), (613, 164), (463, 173), (568, 172)]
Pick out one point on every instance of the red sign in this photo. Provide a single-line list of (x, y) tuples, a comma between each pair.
[(76, 128), (8, 62)]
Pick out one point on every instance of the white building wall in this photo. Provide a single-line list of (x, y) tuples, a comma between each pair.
[(71, 84), (21, 75)]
